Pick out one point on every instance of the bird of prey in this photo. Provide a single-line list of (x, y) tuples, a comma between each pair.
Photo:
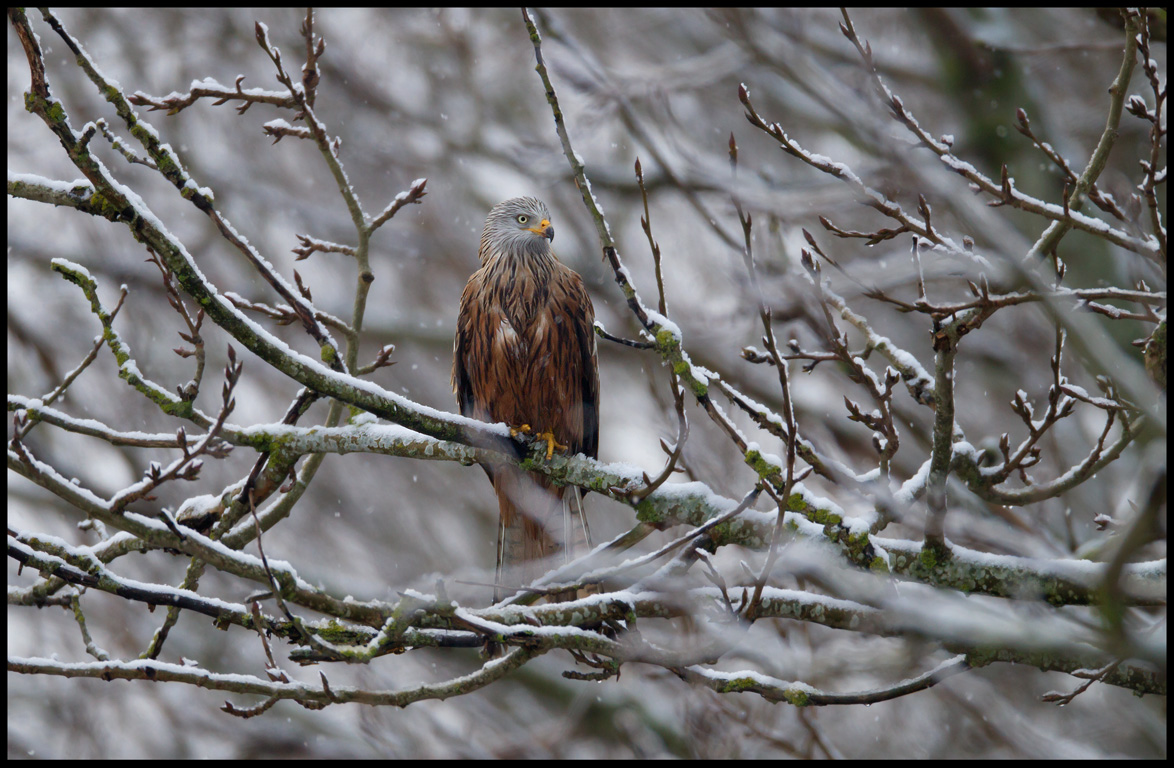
[(524, 354)]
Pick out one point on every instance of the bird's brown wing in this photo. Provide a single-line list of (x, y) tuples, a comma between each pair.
[(588, 385), (462, 385), (572, 371)]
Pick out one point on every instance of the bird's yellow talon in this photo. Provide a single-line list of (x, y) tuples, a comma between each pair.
[(547, 437), (551, 443)]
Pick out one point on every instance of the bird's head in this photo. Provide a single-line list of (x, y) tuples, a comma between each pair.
[(517, 227)]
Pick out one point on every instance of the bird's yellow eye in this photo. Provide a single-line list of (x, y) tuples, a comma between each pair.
[(523, 219)]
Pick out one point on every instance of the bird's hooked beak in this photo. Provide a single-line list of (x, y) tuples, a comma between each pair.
[(544, 229)]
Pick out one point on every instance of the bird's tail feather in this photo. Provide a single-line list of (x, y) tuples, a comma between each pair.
[(538, 521)]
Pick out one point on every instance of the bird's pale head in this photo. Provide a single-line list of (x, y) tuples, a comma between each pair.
[(517, 227)]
